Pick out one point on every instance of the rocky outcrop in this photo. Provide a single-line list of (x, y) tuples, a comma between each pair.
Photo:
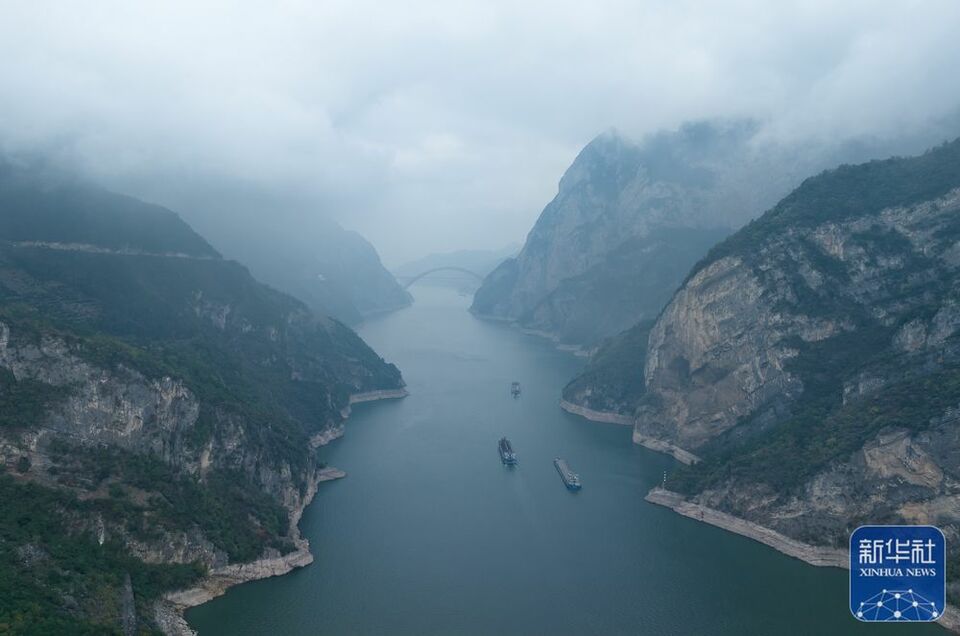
[(382, 394), (717, 353), (607, 417), (104, 406), (372, 396)]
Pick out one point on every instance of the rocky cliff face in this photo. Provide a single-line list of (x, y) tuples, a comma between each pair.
[(628, 222), (739, 339), (812, 360), (157, 401)]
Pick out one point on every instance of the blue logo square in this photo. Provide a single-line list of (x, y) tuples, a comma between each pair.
[(898, 573)]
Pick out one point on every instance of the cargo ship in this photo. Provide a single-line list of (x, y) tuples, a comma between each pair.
[(570, 479), (507, 456)]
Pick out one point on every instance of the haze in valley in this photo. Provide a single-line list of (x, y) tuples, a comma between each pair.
[(439, 126)]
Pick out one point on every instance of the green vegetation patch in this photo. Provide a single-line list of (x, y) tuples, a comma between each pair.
[(56, 581), (615, 373), (235, 515), (24, 403)]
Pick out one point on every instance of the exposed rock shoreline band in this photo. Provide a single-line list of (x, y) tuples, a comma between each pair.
[(820, 556), (168, 612)]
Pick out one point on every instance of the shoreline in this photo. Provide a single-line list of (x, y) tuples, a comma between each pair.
[(372, 396), (606, 417), (576, 350), (377, 313), (820, 556), (379, 394), (653, 443), (169, 610), (662, 446)]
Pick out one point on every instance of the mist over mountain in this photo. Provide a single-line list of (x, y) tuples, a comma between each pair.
[(631, 218), (335, 271), (446, 126), (289, 241)]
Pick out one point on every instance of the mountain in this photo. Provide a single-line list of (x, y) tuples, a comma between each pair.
[(287, 240), (335, 271), (159, 409), (632, 282), (631, 218), (812, 360), (628, 211)]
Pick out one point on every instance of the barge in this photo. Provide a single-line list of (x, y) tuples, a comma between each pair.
[(570, 479)]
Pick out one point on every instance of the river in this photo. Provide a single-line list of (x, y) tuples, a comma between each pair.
[(430, 534)]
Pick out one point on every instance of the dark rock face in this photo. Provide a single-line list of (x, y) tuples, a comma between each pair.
[(164, 401)]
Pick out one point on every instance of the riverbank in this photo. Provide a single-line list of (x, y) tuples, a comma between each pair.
[(576, 350), (327, 436), (607, 417), (662, 446), (168, 613), (372, 396), (820, 556), (610, 417)]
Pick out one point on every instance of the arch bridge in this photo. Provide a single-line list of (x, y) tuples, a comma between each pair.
[(450, 268)]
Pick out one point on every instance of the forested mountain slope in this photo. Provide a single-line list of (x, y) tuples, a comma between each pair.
[(157, 406)]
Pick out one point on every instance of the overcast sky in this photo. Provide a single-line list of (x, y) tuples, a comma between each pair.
[(431, 126)]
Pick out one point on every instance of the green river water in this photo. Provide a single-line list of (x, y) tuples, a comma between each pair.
[(430, 534)]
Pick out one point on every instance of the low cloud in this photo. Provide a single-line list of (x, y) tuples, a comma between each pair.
[(441, 125)]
